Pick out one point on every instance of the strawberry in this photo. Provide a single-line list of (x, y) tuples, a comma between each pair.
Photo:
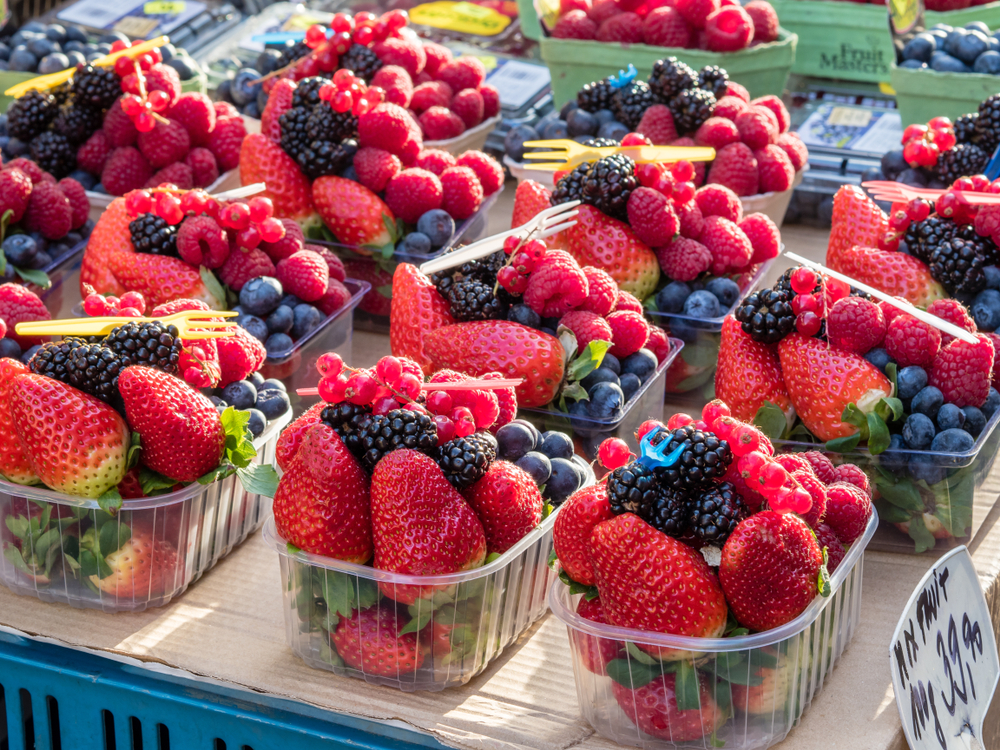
[(26, 540), (748, 373), (354, 214), (509, 348), (652, 582), (653, 709), (594, 653), (182, 435), (421, 525), (145, 567), (262, 160), (417, 308), (74, 443), (160, 279), (571, 531), (601, 241), (14, 463), (110, 237), (378, 300), (822, 380), (508, 504), (770, 566), (894, 273), (530, 200), (767, 692), (856, 221), (279, 101), (369, 641), (291, 437)]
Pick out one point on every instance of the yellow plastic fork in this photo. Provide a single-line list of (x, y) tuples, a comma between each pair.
[(185, 320), (567, 154)]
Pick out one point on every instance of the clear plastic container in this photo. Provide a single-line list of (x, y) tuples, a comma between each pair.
[(64, 287), (149, 552), (753, 688), (588, 433)]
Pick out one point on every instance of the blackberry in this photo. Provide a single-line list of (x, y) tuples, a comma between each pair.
[(54, 153), (965, 128), (922, 237), (474, 300), (379, 434), (715, 79), (151, 344), (153, 235), (631, 487), (667, 510), (30, 114), (96, 87), (670, 77), (294, 139), (595, 96), (307, 92), (601, 142), (292, 53), (958, 262), (609, 185), (465, 460), (91, 368), (988, 123), (482, 270), (62, 92), (326, 158), (570, 187), (78, 123), (691, 108), (964, 160), (767, 315), (326, 124), (344, 418), (705, 458), (362, 61), (713, 515), (630, 103)]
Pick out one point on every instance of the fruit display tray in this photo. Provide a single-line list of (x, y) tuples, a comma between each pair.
[(802, 653), (923, 94), (201, 523), (473, 139)]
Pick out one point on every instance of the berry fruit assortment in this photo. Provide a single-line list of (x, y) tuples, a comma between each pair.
[(946, 49), (717, 539), (19, 304)]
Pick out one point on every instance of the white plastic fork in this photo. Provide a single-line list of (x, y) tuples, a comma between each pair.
[(548, 222)]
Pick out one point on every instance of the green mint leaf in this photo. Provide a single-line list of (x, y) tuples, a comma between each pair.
[(889, 513), (823, 580), (640, 655), (13, 554), (771, 420), (630, 673), (588, 360), (878, 434), (4, 223), (891, 371), (110, 501), (903, 494), (890, 406), (134, 447), (36, 277), (575, 587), (339, 590), (112, 537), (420, 621), (922, 538), (154, 483), (491, 557), (385, 290), (239, 441), (553, 559), (212, 284), (258, 479), (650, 304), (844, 444), (687, 688), (575, 392), (854, 416), (219, 472)]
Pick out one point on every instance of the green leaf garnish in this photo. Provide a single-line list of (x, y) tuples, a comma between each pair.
[(844, 444), (212, 284), (878, 434), (36, 277), (154, 483), (687, 688), (134, 447), (771, 420), (588, 360), (922, 538), (631, 673), (110, 501)]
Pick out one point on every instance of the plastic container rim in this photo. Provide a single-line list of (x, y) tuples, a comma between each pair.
[(785, 37), (363, 287), (984, 78), (488, 124)]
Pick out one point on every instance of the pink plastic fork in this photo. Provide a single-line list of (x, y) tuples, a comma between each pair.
[(895, 192), (465, 385)]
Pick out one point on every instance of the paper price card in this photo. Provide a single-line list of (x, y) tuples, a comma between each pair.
[(943, 658)]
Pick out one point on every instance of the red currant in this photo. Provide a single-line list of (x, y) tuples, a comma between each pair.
[(249, 237), (380, 31), (511, 244), (159, 100), (648, 174), (664, 184), (328, 58), (713, 410), (326, 91), (445, 428), (962, 184), (465, 423), (260, 208), (330, 389), (364, 18), (807, 323), (836, 290), (535, 249), (801, 500), (145, 62), (119, 44), (342, 101), (364, 36), (523, 263), (361, 388), (918, 209), (679, 420), (946, 204), (750, 467), (409, 386), (944, 139), (112, 302), (342, 22), (888, 241), (131, 104), (645, 427), (613, 453), (389, 370), (168, 208), (804, 303), (773, 475), (124, 66), (396, 19), (135, 300), (725, 427), (683, 171), (308, 66), (682, 192), (384, 405), (700, 425), (236, 216), (315, 36), (138, 202), (362, 105), (803, 280), (144, 122), (980, 183), (96, 306), (511, 280), (440, 402), (375, 95), (343, 79), (780, 499), (747, 440), (193, 202), (329, 364), (912, 132), (940, 123), (156, 55), (129, 312), (271, 230), (341, 42), (899, 221)]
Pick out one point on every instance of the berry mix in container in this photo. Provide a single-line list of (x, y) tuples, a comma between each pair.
[(19, 304)]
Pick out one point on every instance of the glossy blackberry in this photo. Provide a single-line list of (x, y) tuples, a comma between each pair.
[(570, 187), (153, 235), (631, 487), (922, 237), (362, 61), (704, 459), (465, 461), (61, 93), (715, 79), (988, 123), (630, 103), (96, 87), (667, 510), (474, 300), (151, 344), (964, 160), (691, 108), (379, 434), (483, 270), (609, 184), (344, 418), (767, 315), (54, 153), (958, 262), (307, 92), (326, 124), (595, 96), (293, 131), (292, 53), (713, 515), (670, 77), (965, 128), (78, 123), (321, 158), (601, 142), (91, 368), (30, 114)]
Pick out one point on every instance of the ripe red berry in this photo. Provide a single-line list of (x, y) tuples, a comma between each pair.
[(249, 237), (713, 410), (648, 174), (361, 388), (679, 420), (801, 501), (899, 221), (333, 388), (804, 303), (168, 208), (96, 306), (440, 402), (389, 370), (329, 364), (511, 280), (613, 453), (940, 123), (159, 100), (138, 202), (980, 183), (807, 323), (342, 22), (918, 209), (384, 405), (750, 467), (236, 216), (144, 122), (803, 280), (746, 440), (445, 428), (409, 386), (682, 192), (773, 475), (315, 36), (836, 290), (260, 209), (135, 300), (913, 131), (364, 36), (465, 423), (645, 427), (271, 230), (962, 184), (682, 171), (193, 202)]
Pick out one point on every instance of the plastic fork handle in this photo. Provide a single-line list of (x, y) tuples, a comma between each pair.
[(83, 326)]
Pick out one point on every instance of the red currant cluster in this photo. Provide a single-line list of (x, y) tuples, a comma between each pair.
[(348, 92), (523, 256), (922, 144), (675, 181), (614, 452), (900, 218), (129, 305), (141, 105)]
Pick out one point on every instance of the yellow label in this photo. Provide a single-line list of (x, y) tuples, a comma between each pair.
[(136, 26), (903, 14), (465, 18), (886, 88), (164, 8), (849, 116), (548, 11)]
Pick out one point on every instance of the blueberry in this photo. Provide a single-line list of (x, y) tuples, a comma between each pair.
[(256, 379), (606, 401), (556, 444), (241, 394), (978, 26), (604, 115), (975, 420), (642, 364), (672, 298), (74, 33), (99, 188), (971, 46), (112, 37), (524, 315), (552, 323), (926, 468), (281, 320), (252, 110), (42, 260), (991, 404), (612, 363), (702, 304), (726, 291), (992, 274), (513, 143), (278, 343), (22, 61), (910, 380), (20, 249), (554, 129), (894, 456), (91, 56), (613, 130), (56, 32), (273, 403), (918, 431), (4, 51), (84, 178), (879, 357), (260, 296), (945, 63), (949, 417), (953, 441), (872, 173), (257, 422), (986, 310), (217, 401), (274, 384), (291, 301), (581, 122), (416, 243), (919, 48), (563, 481), (267, 61), (307, 319), (515, 440), (75, 46), (953, 40), (255, 327), (630, 385), (53, 63), (550, 331), (40, 47), (912, 177), (893, 163), (600, 375), (437, 225), (568, 107), (927, 401), (186, 67), (350, 174), (537, 465), (988, 62), (9, 348)]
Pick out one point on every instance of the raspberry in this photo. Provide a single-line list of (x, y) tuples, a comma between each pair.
[(202, 242), (758, 127), (716, 132), (164, 78), (406, 53), (574, 25), (437, 57), (304, 274), (337, 295), (699, 166), (718, 200), (739, 91), (333, 263), (440, 124), (224, 109), (602, 10), (765, 239), (827, 540), (853, 475), (556, 286), (658, 343), (816, 489), (487, 169), (204, 169), (35, 173), (821, 466), (735, 167), (911, 342), (727, 30), (954, 312), (166, 143), (78, 202), (961, 370), (602, 291), (692, 222), (412, 193), (730, 248), (178, 174), (696, 12), (15, 191), (432, 94), (92, 155), (729, 107), (684, 259), (657, 124), (587, 327), (388, 127), (435, 160), (397, 84), (239, 355), (195, 112), (244, 264), (49, 211), (491, 100), (118, 127), (462, 192), (774, 169), (625, 28), (987, 221), (794, 462), (468, 105), (651, 216), (890, 311), (375, 167), (666, 27), (506, 400), (847, 511), (629, 331), (765, 21), (777, 108), (226, 140), (20, 305), (995, 375), (291, 243), (126, 169), (855, 324), (464, 73), (628, 302)]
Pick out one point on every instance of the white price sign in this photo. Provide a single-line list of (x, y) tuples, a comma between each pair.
[(943, 658)]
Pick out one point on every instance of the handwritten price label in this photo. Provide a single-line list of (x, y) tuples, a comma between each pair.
[(944, 658)]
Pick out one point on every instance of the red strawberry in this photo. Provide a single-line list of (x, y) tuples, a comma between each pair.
[(421, 525), (856, 221), (354, 214), (322, 503), (768, 688), (653, 709), (594, 653), (508, 504), (110, 237), (417, 309), (530, 200), (279, 101), (261, 160), (292, 436), (14, 464), (769, 570), (145, 567), (510, 348), (585, 509), (748, 373), (370, 641), (74, 443), (894, 273), (182, 435), (160, 278)]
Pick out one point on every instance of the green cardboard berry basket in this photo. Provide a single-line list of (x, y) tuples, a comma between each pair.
[(923, 94)]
